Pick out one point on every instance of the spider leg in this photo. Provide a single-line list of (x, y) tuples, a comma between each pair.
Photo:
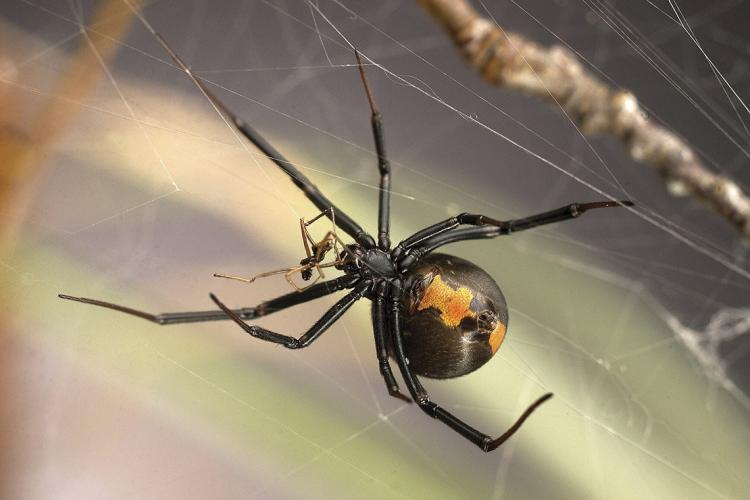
[(298, 178), (380, 328), (315, 331), (442, 233), (434, 230), (263, 309), (420, 396), (384, 218)]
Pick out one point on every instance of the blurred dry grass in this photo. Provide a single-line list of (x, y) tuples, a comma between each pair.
[(25, 144), (24, 148)]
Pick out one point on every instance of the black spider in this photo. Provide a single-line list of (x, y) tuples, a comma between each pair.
[(437, 315)]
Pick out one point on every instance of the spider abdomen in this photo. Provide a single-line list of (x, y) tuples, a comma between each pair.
[(455, 317)]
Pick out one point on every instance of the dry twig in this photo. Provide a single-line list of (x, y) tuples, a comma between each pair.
[(554, 73)]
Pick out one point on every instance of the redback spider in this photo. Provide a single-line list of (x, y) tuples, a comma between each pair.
[(437, 315)]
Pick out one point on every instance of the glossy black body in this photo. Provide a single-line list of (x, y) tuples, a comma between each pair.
[(438, 316), (448, 344)]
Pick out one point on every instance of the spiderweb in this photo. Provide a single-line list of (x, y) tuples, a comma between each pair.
[(139, 191)]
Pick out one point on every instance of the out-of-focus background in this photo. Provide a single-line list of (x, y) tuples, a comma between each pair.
[(120, 181)]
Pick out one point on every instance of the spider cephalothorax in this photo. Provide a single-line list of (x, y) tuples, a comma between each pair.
[(436, 315)]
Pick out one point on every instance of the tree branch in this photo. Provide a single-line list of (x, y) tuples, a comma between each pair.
[(554, 73)]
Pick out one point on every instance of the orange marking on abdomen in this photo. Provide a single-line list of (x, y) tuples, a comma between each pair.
[(497, 336), (454, 305)]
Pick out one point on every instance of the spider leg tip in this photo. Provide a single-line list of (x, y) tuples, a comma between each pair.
[(399, 395), (584, 207)]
